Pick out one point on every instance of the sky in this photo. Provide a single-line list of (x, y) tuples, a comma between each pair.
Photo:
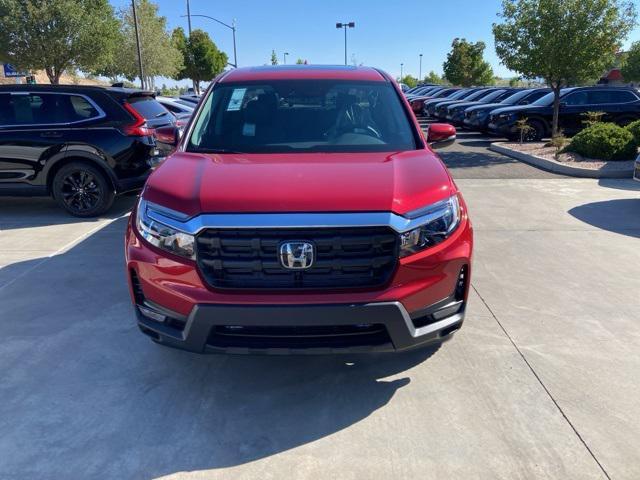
[(386, 33)]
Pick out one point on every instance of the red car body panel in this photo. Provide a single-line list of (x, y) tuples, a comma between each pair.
[(312, 182)]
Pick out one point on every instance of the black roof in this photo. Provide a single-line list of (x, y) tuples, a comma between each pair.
[(127, 92)]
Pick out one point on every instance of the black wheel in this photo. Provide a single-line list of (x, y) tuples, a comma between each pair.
[(82, 190), (536, 133)]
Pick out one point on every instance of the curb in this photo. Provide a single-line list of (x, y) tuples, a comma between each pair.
[(555, 167)]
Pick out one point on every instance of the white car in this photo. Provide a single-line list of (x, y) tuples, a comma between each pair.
[(176, 107)]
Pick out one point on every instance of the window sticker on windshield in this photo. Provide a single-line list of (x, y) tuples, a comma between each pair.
[(235, 103)]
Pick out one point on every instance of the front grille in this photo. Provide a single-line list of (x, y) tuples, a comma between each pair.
[(298, 337), (359, 257)]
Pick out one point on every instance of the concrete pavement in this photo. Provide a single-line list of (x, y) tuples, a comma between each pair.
[(541, 382)]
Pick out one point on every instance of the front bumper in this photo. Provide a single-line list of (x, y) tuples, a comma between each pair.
[(503, 129), (475, 123), (303, 329)]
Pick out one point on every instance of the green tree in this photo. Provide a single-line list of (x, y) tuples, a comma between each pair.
[(301, 62), (160, 55), (631, 67), (433, 77), (57, 35), (202, 59), (465, 65), (409, 80), (274, 58), (562, 41)]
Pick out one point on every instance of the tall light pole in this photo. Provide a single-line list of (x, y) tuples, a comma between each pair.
[(189, 17), (135, 22), (420, 74), (401, 75), (231, 27), (345, 26), (284, 57)]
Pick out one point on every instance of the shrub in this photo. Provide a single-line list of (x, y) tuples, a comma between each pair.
[(634, 128), (605, 141)]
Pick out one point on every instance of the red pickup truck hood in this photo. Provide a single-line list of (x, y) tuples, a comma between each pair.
[(311, 182)]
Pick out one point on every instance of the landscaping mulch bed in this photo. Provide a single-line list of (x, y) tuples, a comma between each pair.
[(540, 149)]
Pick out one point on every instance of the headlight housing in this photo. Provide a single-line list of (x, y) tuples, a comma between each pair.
[(439, 221), (506, 116), (162, 236)]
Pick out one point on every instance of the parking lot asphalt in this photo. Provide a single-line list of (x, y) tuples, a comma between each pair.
[(469, 157), (542, 381)]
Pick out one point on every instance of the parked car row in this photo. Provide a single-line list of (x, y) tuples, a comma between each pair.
[(497, 110)]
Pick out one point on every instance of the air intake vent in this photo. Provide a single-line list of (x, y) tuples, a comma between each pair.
[(138, 295)]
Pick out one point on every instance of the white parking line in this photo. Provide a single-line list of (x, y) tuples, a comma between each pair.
[(63, 249)]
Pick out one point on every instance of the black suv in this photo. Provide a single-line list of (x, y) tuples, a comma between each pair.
[(82, 145), (620, 105)]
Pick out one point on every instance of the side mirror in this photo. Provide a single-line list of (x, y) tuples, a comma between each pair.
[(168, 135), (441, 135)]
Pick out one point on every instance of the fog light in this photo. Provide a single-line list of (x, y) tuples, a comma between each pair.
[(152, 314)]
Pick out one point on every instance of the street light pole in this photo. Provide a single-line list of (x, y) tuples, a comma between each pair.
[(420, 74), (345, 25), (231, 27), (284, 57), (401, 75), (135, 22), (189, 17)]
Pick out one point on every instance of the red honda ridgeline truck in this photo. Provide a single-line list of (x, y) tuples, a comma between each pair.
[(303, 211)]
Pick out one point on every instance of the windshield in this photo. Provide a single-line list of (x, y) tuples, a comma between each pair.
[(516, 97), (547, 99), (461, 94), (282, 116), (479, 94), (492, 96), (447, 92), (148, 107)]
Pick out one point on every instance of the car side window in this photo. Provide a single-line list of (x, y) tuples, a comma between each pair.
[(622, 97), (599, 97), (49, 109), (82, 109), (577, 98)]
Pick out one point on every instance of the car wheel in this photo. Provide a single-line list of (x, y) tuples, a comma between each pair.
[(82, 190), (536, 132)]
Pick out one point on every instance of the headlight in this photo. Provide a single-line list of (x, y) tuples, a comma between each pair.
[(440, 221), (162, 236), (506, 116)]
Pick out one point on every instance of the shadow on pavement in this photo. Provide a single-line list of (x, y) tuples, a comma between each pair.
[(89, 394), (620, 184), (462, 159), (619, 216), (24, 212)]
